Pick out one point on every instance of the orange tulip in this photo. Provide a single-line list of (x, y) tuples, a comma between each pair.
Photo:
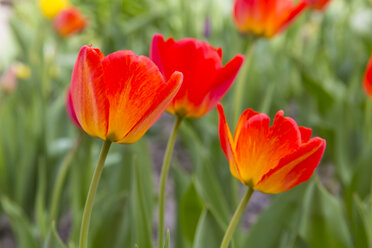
[(318, 4), (270, 159), (69, 21), (119, 96), (205, 81), (265, 17), (367, 80)]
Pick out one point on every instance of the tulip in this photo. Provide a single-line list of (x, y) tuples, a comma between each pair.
[(51, 8), (69, 21), (318, 4), (270, 159), (367, 80), (265, 17), (118, 97), (205, 81)]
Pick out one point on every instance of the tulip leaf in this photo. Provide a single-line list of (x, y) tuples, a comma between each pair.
[(208, 233), (167, 240), (282, 215), (323, 223), (191, 208), (53, 240), (138, 207), (22, 228)]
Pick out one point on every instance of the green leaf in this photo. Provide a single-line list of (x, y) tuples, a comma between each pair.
[(141, 222), (167, 240), (324, 223), (53, 240), (282, 216), (208, 232), (22, 228), (191, 208)]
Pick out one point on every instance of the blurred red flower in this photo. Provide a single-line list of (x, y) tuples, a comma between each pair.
[(270, 159), (69, 21), (265, 17), (367, 80), (119, 96), (205, 81)]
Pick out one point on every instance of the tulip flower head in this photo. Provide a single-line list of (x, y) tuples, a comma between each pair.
[(265, 17), (318, 4), (367, 80), (270, 159), (205, 81), (119, 96), (69, 21)]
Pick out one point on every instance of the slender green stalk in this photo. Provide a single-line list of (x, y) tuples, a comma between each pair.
[(61, 176), (241, 81), (83, 243), (236, 217), (163, 179)]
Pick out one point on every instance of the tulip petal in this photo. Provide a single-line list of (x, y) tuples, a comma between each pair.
[(305, 134), (244, 117), (257, 144), (224, 79), (294, 168), (70, 109), (287, 13), (136, 89), (227, 143), (205, 79), (88, 92), (161, 101)]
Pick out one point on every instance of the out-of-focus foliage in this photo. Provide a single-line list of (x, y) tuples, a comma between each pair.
[(313, 71)]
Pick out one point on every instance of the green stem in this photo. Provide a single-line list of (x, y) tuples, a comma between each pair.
[(61, 176), (83, 243), (241, 81), (235, 219), (163, 179)]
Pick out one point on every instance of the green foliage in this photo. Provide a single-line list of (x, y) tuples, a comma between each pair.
[(313, 71)]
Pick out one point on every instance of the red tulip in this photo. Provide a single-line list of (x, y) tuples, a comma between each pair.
[(270, 159), (318, 4), (265, 17), (119, 96), (205, 81), (69, 21), (367, 80)]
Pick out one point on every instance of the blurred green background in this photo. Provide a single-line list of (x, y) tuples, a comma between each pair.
[(313, 71)]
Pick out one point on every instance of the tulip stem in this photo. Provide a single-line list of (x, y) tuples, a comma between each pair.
[(236, 217), (83, 243), (163, 179), (241, 81), (61, 176)]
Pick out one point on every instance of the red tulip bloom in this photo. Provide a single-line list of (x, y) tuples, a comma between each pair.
[(119, 96), (205, 81), (367, 81), (270, 159), (318, 4), (265, 17), (69, 21)]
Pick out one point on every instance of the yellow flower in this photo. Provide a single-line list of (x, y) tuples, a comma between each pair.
[(51, 8)]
